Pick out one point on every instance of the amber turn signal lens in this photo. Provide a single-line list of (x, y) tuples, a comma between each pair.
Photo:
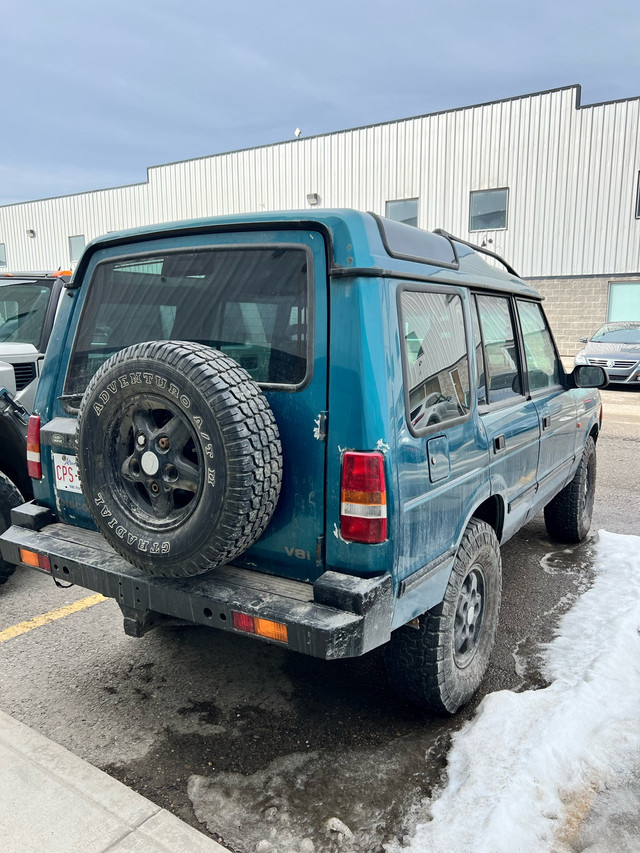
[(272, 630), (38, 561)]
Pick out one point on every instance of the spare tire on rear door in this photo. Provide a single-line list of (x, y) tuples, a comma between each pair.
[(179, 457)]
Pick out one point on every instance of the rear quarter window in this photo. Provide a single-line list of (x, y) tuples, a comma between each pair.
[(435, 356)]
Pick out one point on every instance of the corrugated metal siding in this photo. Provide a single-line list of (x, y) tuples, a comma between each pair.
[(571, 173)]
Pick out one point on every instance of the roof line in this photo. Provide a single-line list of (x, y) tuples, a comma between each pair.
[(578, 106), (302, 139), (82, 192)]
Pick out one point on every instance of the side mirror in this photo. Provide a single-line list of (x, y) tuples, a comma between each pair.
[(589, 376), (584, 340)]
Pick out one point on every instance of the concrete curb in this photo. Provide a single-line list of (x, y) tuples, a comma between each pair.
[(53, 801)]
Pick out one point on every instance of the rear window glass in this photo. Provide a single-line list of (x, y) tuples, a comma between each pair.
[(23, 308), (250, 303)]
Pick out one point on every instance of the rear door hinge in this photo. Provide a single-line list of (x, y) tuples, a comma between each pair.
[(320, 428)]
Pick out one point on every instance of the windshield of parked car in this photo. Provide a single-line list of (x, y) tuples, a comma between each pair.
[(23, 309), (618, 333)]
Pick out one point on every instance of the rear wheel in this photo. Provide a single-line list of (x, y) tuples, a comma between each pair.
[(9, 497), (568, 516), (440, 662)]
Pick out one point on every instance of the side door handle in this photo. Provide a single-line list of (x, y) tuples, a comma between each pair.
[(546, 421), (499, 443)]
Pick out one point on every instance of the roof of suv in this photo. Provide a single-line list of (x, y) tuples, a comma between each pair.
[(360, 243)]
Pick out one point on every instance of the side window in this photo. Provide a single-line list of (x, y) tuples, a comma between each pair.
[(480, 369), (542, 361), (500, 348), (436, 356)]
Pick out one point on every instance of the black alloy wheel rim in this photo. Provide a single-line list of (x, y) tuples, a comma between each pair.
[(469, 618), (157, 473)]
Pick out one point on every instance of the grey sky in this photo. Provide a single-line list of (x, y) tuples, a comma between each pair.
[(94, 92)]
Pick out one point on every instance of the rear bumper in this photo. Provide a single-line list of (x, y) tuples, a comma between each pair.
[(338, 616)]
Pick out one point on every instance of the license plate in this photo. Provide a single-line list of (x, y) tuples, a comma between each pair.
[(66, 473)]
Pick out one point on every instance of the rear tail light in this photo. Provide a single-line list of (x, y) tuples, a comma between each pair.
[(34, 464), (261, 627), (32, 558), (363, 504)]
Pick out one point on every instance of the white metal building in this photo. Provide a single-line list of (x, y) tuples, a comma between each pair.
[(552, 185)]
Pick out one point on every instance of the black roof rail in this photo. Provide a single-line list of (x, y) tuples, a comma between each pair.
[(477, 248)]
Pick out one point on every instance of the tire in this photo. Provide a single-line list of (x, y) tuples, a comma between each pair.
[(440, 664), (9, 497), (568, 516), (179, 457)]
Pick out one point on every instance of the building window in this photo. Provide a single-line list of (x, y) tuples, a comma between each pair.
[(3, 255), (403, 211), (76, 247), (624, 301), (488, 210)]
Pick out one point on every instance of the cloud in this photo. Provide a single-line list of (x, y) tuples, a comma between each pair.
[(113, 87)]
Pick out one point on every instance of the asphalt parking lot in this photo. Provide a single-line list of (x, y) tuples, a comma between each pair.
[(236, 737)]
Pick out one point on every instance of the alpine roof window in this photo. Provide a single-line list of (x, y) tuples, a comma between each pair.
[(488, 210), (416, 244), (252, 303), (3, 255), (638, 198)]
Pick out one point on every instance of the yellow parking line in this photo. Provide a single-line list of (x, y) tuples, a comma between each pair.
[(51, 616)]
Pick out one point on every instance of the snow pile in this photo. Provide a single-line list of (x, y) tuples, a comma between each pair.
[(527, 771)]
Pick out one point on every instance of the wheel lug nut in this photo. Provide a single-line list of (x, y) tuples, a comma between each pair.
[(141, 440), (155, 488), (163, 443)]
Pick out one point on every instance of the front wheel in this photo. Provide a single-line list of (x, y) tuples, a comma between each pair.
[(440, 663), (568, 516)]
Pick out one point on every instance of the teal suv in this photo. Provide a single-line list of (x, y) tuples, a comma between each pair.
[(312, 428)]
